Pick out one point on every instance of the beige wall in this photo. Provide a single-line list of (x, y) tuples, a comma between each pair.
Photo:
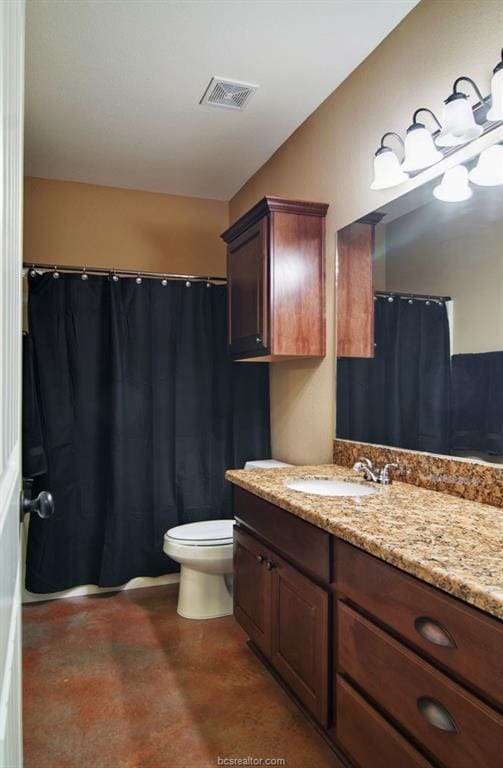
[(329, 159), (84, 224)]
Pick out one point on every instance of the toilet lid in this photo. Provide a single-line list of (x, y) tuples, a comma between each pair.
[(204, 534)]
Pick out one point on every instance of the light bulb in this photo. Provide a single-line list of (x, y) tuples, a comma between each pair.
[(458, 122), (420, 151), (489, 169), (496, 111), (454, 187), (387, 171)]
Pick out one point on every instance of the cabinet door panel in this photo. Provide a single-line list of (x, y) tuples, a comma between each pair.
[(247, 288), (300, 636), (252, 592)]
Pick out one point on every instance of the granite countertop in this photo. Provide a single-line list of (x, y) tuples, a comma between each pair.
[(453, 544)]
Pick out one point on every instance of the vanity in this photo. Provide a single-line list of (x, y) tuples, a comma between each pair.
[(379, 607), (380, 614)]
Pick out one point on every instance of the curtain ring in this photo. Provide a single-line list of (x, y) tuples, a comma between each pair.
[(138, 280), (188, 284), (55, 274), (84, 276), (164, 282)]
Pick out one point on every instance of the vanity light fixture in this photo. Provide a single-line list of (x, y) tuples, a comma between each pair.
[(496, 111), (420, 151), (387, 171), (454, 187), (458, 121), (489, 170)]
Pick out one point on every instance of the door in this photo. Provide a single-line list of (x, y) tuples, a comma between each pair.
[(252, 589), (300, 636), (248, 291), (11, 175)]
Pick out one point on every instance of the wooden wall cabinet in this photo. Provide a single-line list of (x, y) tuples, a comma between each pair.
[(355, 288), (276, 281)]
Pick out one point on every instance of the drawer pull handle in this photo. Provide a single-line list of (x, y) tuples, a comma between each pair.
[(436, 714), (434, 632), (270, 565), (260, 559)]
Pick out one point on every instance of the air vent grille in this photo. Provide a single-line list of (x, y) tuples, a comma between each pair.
[(229, 94)]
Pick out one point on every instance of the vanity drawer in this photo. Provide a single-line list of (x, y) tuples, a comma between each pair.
[(451, 724), (300, 542), (367, 737), (462, 639)]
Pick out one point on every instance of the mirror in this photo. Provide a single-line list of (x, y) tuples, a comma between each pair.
[(430, 377)]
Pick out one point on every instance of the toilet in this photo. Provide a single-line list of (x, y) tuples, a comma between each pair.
[(204, 551)]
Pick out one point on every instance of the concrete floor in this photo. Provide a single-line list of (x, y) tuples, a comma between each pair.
[(121, 681)]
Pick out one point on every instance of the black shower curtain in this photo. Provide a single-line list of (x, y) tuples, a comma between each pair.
[(401, 397), (142, 413)]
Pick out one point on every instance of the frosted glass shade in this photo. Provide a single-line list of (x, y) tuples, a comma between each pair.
[(387, 171), (420, 151), (454, 187), (489, 170), (458, 122), (496, 111)]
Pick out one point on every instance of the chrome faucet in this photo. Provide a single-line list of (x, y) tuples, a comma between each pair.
[(364, 465), (374, 474), (384, 475)]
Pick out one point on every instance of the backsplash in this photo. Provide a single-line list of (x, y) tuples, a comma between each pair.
[(472, 480)]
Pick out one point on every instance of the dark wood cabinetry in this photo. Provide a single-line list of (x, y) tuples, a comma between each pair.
[(252, 590), (299, 627), (284, 612), (462, 641), (398, 673), (275, 277)]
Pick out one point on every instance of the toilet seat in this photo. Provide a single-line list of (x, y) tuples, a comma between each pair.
[(208, 533)]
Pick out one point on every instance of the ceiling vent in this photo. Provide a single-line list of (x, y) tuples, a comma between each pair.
[(229, 94)]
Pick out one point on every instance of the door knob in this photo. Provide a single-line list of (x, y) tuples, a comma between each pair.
[(43, 505)]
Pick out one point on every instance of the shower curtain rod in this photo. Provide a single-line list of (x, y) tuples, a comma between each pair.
[(129, 272), (417, 296)]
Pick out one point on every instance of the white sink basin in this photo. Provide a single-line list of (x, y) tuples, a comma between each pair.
[(324, 486)]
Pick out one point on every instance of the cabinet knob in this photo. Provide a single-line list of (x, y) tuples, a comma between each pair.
[(434, 632), (436, 714), (270, 565), (258, 340), (260, 559)]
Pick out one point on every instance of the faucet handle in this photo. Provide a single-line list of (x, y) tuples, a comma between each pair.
[(384, 473), (367, 462)]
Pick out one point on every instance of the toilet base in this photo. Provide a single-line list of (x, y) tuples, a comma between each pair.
[(204, 595)]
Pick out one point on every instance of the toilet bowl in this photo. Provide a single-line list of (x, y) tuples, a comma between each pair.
[(204, 551)]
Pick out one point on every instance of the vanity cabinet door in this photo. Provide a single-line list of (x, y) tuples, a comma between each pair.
[(247, 264), (300, 636), (252, 592)]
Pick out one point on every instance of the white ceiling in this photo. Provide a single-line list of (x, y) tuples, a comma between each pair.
[(112, 87)]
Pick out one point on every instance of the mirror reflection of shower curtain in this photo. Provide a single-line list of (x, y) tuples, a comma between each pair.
[(142, 412), (401, 397)]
